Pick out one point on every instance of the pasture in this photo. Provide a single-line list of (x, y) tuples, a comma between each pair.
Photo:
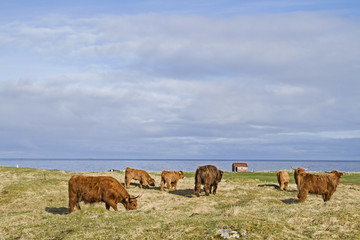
[(34, 205)]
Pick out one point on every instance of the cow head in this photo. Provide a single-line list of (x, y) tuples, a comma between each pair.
[(181, 174), (219, 175), (299, 170), (337, 173), (151, 181), (130, 203), (297, 173)]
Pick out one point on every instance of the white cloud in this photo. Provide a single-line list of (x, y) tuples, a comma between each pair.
[(349, 134), (152, 81)]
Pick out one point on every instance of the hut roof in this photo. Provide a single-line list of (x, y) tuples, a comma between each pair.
[(240, 165)]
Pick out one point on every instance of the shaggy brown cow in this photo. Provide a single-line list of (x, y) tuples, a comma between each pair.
[(171, 179), (297, 172), (137, 174), (99, 189), (321, 184), (283, 179), (209, 176)]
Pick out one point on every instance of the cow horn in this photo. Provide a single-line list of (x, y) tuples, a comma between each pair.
[(135, 197)]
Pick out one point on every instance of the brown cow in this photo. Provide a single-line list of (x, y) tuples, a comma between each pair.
[(209, 176), (99, 189), (171, 179), (283, 179), (297, 172), (137, 174), (321, 184)]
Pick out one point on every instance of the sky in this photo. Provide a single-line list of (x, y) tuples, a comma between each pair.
[(180, 79)]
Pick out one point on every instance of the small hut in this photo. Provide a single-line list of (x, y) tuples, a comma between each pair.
[(239, 167)]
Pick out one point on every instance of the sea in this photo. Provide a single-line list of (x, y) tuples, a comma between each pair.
[(99, 165)]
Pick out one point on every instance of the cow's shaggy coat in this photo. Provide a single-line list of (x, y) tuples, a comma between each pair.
[(283, 180), (90, 189), (321, 184), (140, 175), (171, 179), (209, 176)]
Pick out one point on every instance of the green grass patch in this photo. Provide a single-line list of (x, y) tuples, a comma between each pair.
[(34, 205)]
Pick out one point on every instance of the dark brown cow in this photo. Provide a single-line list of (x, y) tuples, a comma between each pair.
[(99, 189), (140, 175), (171, 179), (209, 176), (283, 179), (297, 172), (321, 184)]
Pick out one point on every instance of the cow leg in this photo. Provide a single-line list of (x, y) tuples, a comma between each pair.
[(71, 206), (282, 186), (110, 203), (141, 184), (127, 182), (327, 197), (174, 185), (168, 185), (286, 186), (324, 197), (279, 182), (207, 189), (107, 206), (78, 205), (73, 202), (162, 185), (214, 188), (114, 206), (302, 195), (197, 189)]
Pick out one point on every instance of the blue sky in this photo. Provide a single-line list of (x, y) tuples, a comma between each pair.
[(180, 79)]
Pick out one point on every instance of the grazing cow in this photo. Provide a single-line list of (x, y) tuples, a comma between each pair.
[(99, 189), (171, 179), (140, 175), (209, 176), (283, 179), (297, 172), (321, 184)]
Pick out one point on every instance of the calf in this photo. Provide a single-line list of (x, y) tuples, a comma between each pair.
[(171, 179), (283, 179), (99, 189), (209, 176), (321, 184), (140, 175)]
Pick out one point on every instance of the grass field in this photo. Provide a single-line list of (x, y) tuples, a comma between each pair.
[(34, 205)]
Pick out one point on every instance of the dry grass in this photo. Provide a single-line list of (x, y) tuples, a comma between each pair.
[(34, 205)]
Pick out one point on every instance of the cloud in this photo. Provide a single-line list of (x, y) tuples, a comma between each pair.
[(238, 45), (171, 85)]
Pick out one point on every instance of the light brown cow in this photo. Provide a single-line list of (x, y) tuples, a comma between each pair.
[(283, 180), (99, 189), (209, 176), (171, 179), (297, 172), (321, 184), (140, 175)]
